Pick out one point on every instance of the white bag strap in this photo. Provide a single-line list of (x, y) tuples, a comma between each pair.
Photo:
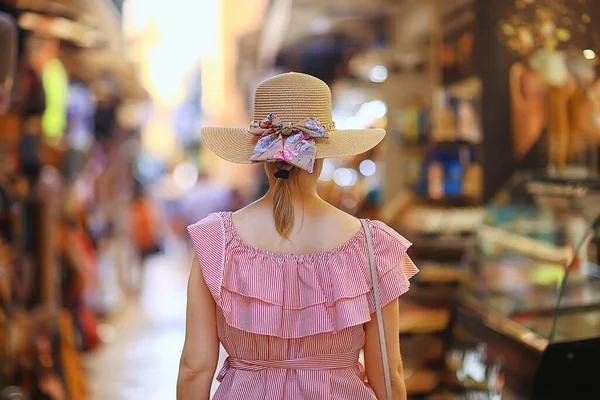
[(375, 279)]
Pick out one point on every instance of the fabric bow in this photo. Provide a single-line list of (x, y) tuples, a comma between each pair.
[(293, 144)]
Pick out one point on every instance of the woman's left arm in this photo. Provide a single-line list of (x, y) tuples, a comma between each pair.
[(373, 359), (201, 349)]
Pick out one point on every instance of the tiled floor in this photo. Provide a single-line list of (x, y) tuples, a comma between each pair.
[(142, 360)]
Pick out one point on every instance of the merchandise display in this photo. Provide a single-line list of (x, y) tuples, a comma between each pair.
[(533, 307), (460, 122), (49, 247), (413, 123), (55, 82), (456, 113), (551, 85), (444, 273), (448, 221), (8, 42), (441, 143)]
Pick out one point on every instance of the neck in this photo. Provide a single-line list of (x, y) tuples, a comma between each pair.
[(298, 192), (301, 195)]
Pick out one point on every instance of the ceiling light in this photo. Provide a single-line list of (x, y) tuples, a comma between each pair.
[(367, 168), (185, 175), (378, 73), (345, 177), (589, 54), (373, 109), (327, 171)]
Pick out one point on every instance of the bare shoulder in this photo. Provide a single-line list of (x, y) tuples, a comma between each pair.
[(335, 221), (254, 223), (252, 213)]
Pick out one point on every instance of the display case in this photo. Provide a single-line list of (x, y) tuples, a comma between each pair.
[(528, 326)]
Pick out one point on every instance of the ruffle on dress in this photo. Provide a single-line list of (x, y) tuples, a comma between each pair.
[(294, 296)]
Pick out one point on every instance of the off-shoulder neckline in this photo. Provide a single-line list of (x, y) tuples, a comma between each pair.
[(227, 218)]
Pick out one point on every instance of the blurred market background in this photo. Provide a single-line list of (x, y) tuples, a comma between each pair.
[(490, 168)]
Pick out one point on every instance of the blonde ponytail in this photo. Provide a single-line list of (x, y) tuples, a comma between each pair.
[(283, 207)]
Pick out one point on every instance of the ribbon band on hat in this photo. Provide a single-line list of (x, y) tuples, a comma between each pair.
[(293, 144)]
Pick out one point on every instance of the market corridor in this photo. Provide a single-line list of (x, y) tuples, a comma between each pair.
[(141, 362)]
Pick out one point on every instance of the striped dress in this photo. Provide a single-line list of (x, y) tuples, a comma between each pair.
[(293, 325)]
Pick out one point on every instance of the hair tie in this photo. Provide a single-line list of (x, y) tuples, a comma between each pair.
[(282, 174)]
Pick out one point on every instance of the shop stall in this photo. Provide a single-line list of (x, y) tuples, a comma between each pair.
[(526, 321), (470, 93), (527, 326), (56, 170)]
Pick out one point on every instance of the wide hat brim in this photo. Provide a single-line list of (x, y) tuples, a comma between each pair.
[(237, 144)]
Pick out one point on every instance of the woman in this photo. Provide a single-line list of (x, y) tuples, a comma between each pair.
[(284, 284)]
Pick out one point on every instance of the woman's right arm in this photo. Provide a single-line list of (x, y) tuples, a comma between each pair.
[(373, 362), (201, 349)]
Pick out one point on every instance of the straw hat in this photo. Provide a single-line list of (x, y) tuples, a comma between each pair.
[(293, 98)]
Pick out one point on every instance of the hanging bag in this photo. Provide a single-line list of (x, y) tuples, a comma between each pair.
[(375, 279)]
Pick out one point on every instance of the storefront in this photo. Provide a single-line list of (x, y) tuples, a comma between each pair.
[(489, 168), (62, 128)]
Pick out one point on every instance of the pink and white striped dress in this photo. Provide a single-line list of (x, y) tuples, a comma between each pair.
[(293, 324)]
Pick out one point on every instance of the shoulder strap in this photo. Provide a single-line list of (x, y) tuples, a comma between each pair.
[(375, 279)]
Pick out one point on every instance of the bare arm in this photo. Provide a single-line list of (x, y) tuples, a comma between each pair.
[(373, 364), (201, 349)]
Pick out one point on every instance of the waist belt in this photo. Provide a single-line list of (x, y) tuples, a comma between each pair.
[(318, 362)]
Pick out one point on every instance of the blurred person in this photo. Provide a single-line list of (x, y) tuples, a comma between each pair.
[(284, 284), (205, 197), (145, 223), (81, 108), (105, 113), (148, 237), (189, 114)]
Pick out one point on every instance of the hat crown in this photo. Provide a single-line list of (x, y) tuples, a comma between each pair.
[(293, 97)]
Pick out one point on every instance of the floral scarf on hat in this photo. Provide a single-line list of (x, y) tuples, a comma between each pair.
[(293, 144)]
